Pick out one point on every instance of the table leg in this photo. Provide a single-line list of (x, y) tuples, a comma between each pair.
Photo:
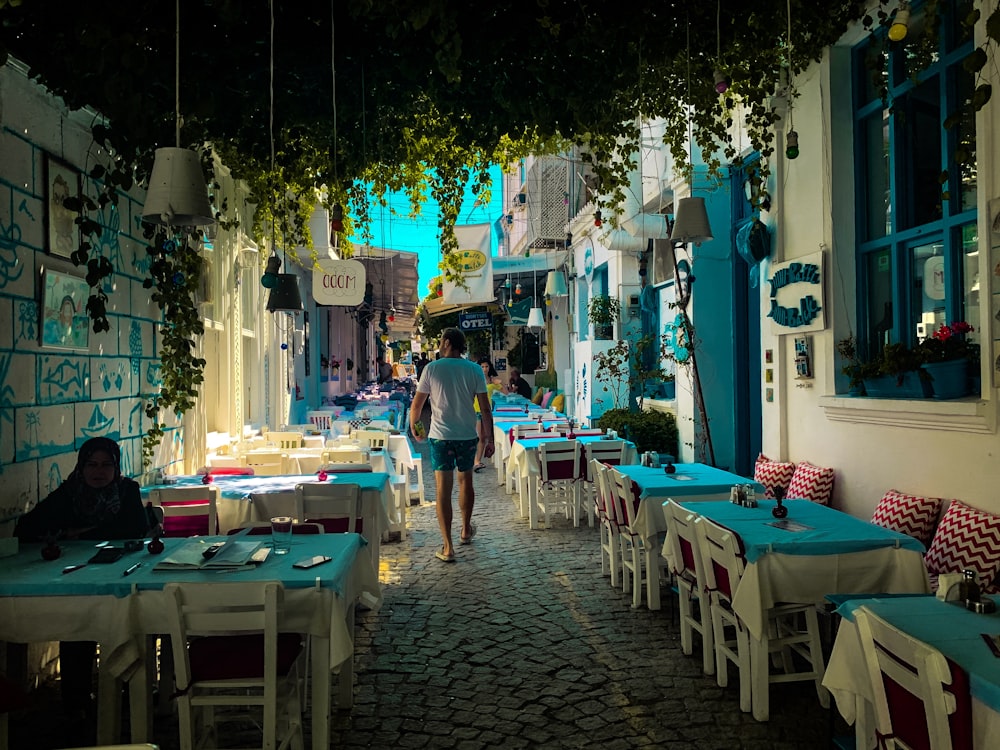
[(140, 694), (320, 666), (650, 551), (109, 708), (759, 677)]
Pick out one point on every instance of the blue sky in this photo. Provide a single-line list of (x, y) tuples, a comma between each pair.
[(419, 235)]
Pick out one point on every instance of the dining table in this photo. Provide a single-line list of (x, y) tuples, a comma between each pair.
[(121, 604), (244, 499), (944, 625), (806, 555), (689, 482), (524, 463)]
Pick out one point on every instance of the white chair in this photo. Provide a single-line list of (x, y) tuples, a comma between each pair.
[(922, 680), (344, 454), (406, 462), (234, 656), (638, 558), (345, 467), (684, 557), (722, 569), (610, 452), (791, 629), (373, 439), (229, 462), (286, 440), (604, 496), (266, 463), (321, 420), (518, 431), (557, 487), (187, 511), (334, 506)]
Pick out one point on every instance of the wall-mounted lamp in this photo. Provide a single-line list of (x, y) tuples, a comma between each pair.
[(901, 23)]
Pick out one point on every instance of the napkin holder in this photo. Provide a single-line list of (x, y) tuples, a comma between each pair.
[(982, 606)]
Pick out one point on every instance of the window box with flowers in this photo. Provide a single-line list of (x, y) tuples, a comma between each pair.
[(948, 357)]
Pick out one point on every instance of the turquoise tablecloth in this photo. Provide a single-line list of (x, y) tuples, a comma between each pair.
[(236, 487), (830, 532), (688, 479), (948, 627), (27, 574)]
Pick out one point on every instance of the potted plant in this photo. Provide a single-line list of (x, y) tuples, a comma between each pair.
[(896, 373), (603, 310), (946, 355), (853, 366)]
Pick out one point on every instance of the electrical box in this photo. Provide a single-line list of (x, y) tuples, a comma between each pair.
[(633, 305)]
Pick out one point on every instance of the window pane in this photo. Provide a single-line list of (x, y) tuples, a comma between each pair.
[(879, 283), (663, 261), (928, 290), (876, 135), (970, 278), (869, 73), (923, 112), (965, 135)]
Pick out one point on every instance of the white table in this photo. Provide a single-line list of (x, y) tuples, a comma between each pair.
[(38, 603), (944, 625), (689, 483), (524, 463)]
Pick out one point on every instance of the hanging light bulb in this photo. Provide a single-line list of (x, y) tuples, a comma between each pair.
[(597, 218), (721, 82), (900, 24), (337, 218), (517, 289), (506, 284), (792, 145), (392, 315), (270, 278)]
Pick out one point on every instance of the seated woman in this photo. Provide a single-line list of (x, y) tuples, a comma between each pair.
[(95, 502)]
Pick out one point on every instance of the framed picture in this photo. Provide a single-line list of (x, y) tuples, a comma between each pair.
[(61, 182), (65, 322)]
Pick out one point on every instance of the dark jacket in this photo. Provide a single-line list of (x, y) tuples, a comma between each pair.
[(56, 514), (523, 387)]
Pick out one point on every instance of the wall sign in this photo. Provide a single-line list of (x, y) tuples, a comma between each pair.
[(796, 293), (340, 282), (475, 321)]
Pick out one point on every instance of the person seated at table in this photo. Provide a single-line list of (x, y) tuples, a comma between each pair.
[(493, 384), (517, 384), (384, 370), (95, 502)]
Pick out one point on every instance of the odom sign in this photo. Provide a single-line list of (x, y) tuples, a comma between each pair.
[(339, 282)]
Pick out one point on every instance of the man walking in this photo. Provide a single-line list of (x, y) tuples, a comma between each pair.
[(452, 384)]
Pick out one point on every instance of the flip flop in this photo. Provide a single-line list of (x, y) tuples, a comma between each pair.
[(478, 467), (468, 539), (440, 555)]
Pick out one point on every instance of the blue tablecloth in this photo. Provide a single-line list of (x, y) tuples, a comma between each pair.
[(27, 574), (688, 479), (830, 532), (948, 627), (238, 487)]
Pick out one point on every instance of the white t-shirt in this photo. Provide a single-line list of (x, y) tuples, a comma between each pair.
[(452, 384)]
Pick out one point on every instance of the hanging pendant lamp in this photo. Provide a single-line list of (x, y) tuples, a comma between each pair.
[(285, 294), (691, 222), (555, 284), (177, 195), (535, 318)]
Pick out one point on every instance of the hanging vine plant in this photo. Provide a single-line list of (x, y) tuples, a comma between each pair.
[(175, 275)]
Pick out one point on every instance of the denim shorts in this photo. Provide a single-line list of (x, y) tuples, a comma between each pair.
[(450, 454)]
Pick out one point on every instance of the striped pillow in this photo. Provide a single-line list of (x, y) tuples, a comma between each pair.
[(772, 474), (967, 538), (908, 514), (811, 482)]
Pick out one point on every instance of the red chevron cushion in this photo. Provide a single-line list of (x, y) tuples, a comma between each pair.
[(811, 483), (908, 514), (967, 538), (772, 474)]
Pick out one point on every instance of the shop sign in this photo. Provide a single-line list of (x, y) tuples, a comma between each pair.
[(339, 282), (796, 295)]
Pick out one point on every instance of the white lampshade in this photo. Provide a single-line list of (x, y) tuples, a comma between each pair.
[(691, 221), (536, 319), (555, 284), (177, 195)]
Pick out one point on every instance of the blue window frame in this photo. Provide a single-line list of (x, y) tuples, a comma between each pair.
[(917, 238)]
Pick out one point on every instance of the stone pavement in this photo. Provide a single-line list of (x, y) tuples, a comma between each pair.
[(522, 643)]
